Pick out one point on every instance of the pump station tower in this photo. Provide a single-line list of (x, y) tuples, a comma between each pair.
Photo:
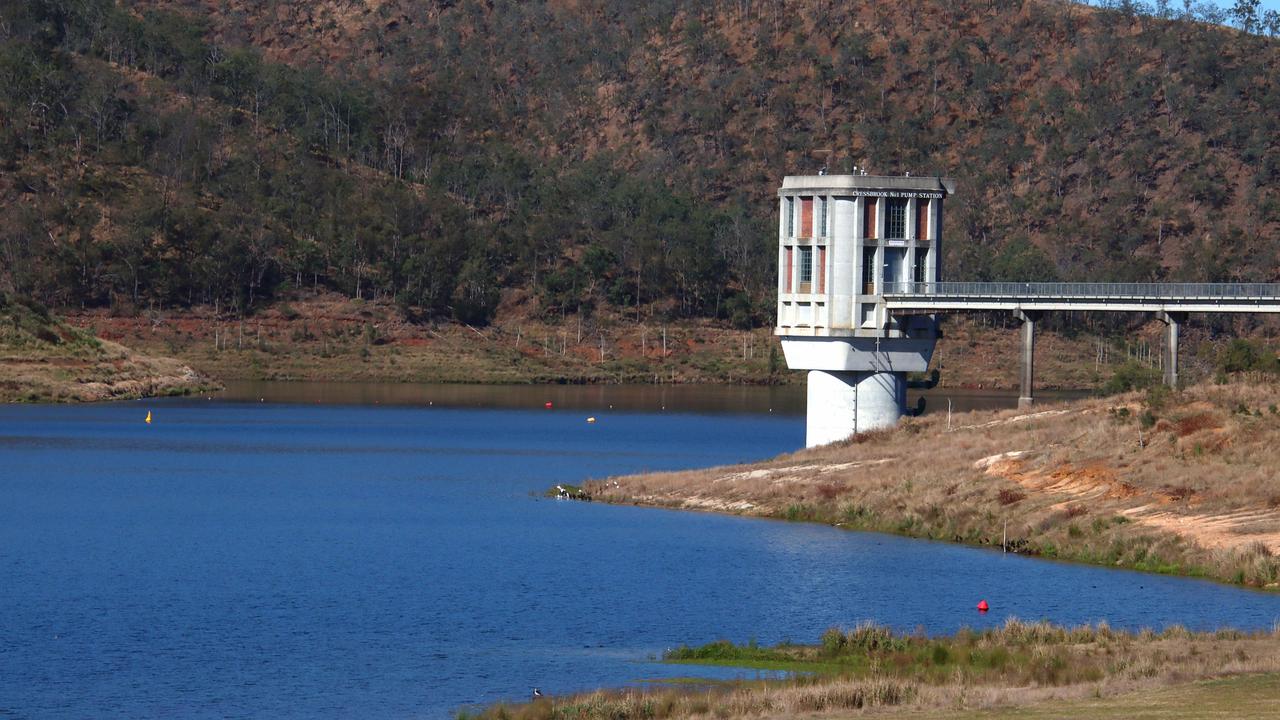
[(842, 241)]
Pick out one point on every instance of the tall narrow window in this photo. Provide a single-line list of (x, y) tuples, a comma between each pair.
[(786, 272), (822, 217), (922, 261), (895, 220), (922, 219), (869, 218), (895, 267), (791, 217), (806, 217), (868, 271), (822, 269), (806, 269)]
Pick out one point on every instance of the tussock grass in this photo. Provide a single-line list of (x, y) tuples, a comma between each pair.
[(870, 666), (1181, 482)]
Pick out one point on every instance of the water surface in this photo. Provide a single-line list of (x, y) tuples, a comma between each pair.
[(781, 399), (297, 560)]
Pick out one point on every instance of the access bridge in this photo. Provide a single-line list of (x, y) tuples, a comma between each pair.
[(860, 288), (1169, 302)]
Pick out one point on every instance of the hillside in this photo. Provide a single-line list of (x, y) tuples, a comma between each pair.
[(596, 155), (44, 359)]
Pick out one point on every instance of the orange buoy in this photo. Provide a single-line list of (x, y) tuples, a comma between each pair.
[(982, 606), (547, 406)]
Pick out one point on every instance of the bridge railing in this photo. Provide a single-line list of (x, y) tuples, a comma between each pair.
[(1104, 291)]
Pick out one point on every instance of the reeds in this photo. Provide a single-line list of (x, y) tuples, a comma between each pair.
[(870, 666)]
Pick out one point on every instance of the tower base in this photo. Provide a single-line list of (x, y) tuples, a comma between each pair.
[(843, 403)]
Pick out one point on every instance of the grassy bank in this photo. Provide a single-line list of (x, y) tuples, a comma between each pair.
[(1180, 483), (1017, 665), (43, 359), (325, 336)]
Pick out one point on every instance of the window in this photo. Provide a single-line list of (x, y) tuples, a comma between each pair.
[(895, 222), (806, 268), (868, 271), (895, 266), (790, 212), (822, 217), (822, 269), (868, 318), (786, 273), (922, 259)]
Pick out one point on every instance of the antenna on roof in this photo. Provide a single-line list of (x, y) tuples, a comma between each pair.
[(822, 170)]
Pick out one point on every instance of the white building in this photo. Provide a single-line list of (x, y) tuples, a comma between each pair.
[(843, 241)]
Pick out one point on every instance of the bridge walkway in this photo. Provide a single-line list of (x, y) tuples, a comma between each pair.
[(1170, 302)]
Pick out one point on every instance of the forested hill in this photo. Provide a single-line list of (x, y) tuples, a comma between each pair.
[(580, 154)]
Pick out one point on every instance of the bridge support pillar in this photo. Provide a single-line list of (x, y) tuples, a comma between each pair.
[(844, 403), (1026, 396), (1172, 321)]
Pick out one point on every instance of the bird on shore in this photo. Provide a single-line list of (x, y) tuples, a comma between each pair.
[(537, 693)]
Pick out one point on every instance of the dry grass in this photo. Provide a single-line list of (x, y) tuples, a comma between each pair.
[(1244, 696), (871, 668), (1176, 483), (325, 336), (43, 359)]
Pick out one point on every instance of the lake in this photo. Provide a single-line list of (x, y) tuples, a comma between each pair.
[(395, 559)]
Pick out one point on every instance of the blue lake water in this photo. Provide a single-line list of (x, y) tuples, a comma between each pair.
[(255, 559)]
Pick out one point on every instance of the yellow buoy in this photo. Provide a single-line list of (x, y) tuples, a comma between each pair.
[(148, 417), (591, 419)]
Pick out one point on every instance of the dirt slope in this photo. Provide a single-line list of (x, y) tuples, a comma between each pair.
[(44, 359)]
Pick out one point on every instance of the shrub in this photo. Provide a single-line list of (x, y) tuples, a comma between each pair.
[(1244, 356), (799, 511), (1131, 376), (941, 656), (833, 641), (1009, 496)]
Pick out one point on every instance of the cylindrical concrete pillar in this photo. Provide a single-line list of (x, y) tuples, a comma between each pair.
[(1028, 317), (1173, 320), (844, 403)]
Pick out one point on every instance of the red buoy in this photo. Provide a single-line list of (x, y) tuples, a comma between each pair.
[(982, 606), (547, 406)]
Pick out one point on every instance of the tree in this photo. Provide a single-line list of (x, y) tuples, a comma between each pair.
[(1245, 13), (1271, 21)]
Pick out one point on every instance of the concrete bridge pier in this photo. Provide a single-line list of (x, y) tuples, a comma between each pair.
[(843, 403), (1172, 321), (1026, 395)]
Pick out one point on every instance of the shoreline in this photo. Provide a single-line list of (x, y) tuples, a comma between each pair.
[(44, 359), (1175, 484), (326, 336), (1018, 667)]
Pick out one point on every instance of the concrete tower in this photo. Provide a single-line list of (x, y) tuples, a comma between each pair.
[(843, 242)]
